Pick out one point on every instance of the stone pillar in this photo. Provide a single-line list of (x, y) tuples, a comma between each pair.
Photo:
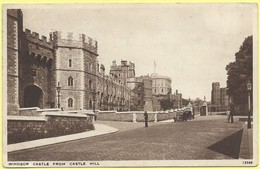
[(155, 117), (134, 117)]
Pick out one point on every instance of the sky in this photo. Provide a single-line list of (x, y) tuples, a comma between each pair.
[(190, 43)]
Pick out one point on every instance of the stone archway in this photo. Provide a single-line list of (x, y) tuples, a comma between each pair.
[(33, 96)]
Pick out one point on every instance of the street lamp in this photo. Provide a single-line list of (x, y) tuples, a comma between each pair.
[(249, 87), (94, 104), (58, 91)]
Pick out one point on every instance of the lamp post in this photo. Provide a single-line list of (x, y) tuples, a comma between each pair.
[(249, 87), (58, 91), (94, 104)]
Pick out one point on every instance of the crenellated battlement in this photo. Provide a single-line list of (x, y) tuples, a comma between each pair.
[(69, 39), (34, 37)]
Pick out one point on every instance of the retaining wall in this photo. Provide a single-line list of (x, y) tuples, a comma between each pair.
[(51, 124), (133, 116)]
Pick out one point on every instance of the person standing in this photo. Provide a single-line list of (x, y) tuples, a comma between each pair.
[(228, 115), (231, 116), (231, 113), (146, 118)]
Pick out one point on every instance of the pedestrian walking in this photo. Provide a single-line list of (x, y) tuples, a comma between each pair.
[(146, 118)]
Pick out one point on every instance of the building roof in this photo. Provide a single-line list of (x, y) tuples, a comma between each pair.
[(156, 76)]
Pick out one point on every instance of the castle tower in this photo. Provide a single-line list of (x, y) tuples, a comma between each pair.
[(123, 71), (14, 33), (75, 70), (215, 93)]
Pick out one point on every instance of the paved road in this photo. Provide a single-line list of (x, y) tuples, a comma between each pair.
[(203, 138)]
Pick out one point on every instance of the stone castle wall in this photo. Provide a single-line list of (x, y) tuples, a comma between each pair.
[(45, 62), (22, 128), (14, 27)]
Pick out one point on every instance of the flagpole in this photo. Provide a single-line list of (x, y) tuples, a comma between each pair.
[(154, 64)]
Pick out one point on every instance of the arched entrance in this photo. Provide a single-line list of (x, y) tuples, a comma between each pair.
[(33, 96)]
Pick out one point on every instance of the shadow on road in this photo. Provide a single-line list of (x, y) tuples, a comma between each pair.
[(229, 146)]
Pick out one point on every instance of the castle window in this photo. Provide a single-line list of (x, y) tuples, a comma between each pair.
[(90, 84), (70, 63), (70, 102), (155, 90), (90, 104), (162, 90), (90, 66), (70, 81)]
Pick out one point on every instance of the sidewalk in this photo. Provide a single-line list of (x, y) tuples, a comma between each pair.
[(99, 130), (246, 146)]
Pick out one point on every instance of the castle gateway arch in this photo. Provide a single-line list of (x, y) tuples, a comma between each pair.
[(33, 96)]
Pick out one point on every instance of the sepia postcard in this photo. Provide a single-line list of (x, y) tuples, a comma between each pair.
[(130, 85)]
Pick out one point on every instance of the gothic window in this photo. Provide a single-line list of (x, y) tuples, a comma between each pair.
[(70, 63), (90, 104), (90, 66), (90, 83), (70, 102), (70, 81)]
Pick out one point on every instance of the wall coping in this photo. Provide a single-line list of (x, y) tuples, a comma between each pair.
[(62, 114), (136, 112), (29, 108), (111, 111), (47, 110), (87, 113), (26, 118)]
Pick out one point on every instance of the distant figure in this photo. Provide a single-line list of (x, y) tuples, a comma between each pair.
[(231, 113), (146, 118), (174, 119), (228, 113), (61, 108), (231, 116)]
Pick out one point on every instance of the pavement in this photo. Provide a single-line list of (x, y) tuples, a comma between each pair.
[(246, 147), (100, 129)]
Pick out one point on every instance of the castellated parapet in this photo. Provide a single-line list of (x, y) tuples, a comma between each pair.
[(71, 40), (34, 38)]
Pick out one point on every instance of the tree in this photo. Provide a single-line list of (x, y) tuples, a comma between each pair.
[(197, 102), (166, 104), (239, 72)]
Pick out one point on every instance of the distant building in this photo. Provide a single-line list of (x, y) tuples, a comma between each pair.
[(177, 100), (161, 84), (215, 93), (161, 89), (219, 98), (224, 99), (141, 93), (123, 71)]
